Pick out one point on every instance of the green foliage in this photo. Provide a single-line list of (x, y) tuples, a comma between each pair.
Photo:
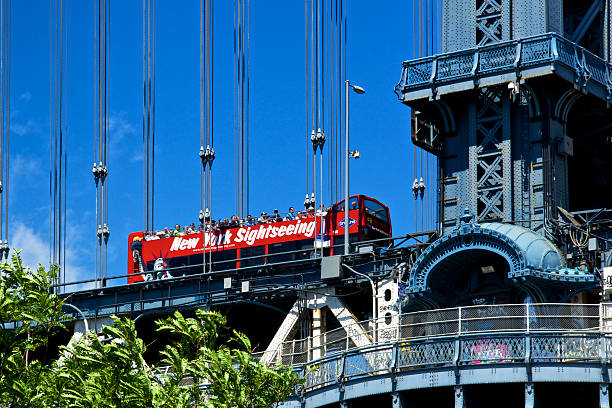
[(29, 314), (108, 369)]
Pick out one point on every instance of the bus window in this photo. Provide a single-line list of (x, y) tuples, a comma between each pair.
[(375, 209), (353, 202), (305, 248), (219, 256), (279, 248), (256, 251)]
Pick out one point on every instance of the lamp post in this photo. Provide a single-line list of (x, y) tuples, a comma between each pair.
[(358, 90)]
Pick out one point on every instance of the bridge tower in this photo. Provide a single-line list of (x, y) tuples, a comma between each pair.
[(517, 109), (519, 106)]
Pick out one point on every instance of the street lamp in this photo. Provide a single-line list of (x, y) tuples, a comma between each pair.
[(358, 90)]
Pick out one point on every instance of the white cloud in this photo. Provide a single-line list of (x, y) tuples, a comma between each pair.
[(136, 157), (26, 96), (26, 167), (118, 128), (23, 129), (34, 246)]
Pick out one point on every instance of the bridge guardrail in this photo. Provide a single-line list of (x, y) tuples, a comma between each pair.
[(442, 324), (464, 350), (504, 56)]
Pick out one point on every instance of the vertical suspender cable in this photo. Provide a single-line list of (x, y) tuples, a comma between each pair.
[(149, 114), (8, 129), (241, 104), (248, 115), (152, 98), (106, 158), (61, 94), (236, 105), (209, 52), (63, 159), (51, 25), (203, 220), (101, 130), (244, 106), (312, 90), (144, 114), (99, 145), (2, 109), (306, 60), (95, 91), (212, 116), (55, 142)]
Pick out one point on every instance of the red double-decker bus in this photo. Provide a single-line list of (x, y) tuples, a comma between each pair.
[(267, 243)]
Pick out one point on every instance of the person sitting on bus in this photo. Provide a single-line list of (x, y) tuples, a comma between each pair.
[(262, 218), (321, 212), (250, 221), (177, 231), (276, 216), (234, 222), (291, 214), (185, 230), (354, 205)]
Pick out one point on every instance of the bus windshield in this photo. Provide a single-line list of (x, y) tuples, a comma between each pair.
[(354, 205), (375, 209)]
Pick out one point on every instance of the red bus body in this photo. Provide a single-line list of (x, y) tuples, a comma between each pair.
[(244, 246)]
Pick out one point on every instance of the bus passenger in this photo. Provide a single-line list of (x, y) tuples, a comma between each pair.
[(177, 231), (262, 218), (276, 216), (250, 221), (291, 214)]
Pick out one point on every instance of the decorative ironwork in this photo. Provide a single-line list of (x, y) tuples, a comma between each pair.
[(367, 362), (500, 349), (415, 346), (325, 372), (433, 353), (489, 154), (505, 57), (491, 350), (488, 21), (565, 348), (467, 237), (493, 58)]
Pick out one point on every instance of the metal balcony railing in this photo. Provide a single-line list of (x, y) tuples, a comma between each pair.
[(438, 327), (504, 57), (469, 336)]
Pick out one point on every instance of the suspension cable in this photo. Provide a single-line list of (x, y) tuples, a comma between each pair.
[(57, 149), (2, 109), (8, 130)]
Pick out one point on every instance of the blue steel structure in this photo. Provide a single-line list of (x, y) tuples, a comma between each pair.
[(503, 304)]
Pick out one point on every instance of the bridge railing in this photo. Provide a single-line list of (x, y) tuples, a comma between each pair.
[(514, 55), (415, 327), (458, 351)]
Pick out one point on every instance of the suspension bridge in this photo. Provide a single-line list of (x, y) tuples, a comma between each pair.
[(496, 295)]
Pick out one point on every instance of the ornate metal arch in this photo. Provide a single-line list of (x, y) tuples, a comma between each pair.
[(565, 104), (468, 237), (529, 255)]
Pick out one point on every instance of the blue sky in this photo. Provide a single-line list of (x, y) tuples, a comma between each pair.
[(379, 39)]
